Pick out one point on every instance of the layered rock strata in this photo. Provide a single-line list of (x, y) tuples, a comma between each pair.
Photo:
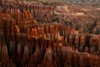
[(25, 43)]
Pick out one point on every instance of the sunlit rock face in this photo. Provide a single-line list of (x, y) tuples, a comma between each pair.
[(38, 11), (26, 43)]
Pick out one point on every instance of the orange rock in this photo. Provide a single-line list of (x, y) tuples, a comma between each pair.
[(81, 48), (70, 39), (86, 49), (76, 41), (82, 41), (4, 56)]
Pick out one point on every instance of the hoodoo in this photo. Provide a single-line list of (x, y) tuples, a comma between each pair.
[(25, 41)]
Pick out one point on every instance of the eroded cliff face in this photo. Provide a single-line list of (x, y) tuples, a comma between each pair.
[(85, 19), (39, 11), (25, 43), (79, 21)]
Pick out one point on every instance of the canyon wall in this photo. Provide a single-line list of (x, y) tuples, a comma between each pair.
[(38, 11), (25, 43)]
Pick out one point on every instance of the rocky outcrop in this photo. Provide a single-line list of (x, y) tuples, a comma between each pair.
[(4, 52), (25, 43), (38, 11)]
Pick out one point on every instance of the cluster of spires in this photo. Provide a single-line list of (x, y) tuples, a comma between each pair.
[(26, 43)]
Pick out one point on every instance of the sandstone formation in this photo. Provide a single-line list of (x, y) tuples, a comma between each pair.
[(26, 43), (38, 11)]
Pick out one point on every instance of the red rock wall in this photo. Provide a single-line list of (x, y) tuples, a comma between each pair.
[(39, 11), (23, 42)]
